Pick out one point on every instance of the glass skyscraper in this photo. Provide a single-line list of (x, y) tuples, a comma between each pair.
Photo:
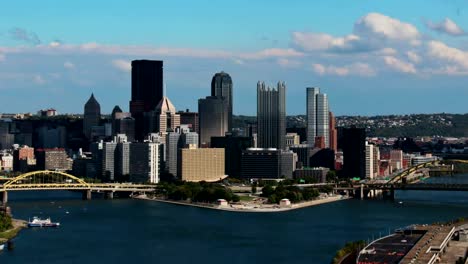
[(271, 116), (318, 119), (221, 86), (147, 91), (213, 118)]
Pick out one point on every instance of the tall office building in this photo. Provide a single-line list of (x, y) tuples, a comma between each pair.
[(271, 116), (147, 91), (221, 86), (190, 119), (333, 141), (270, 163), (233, 147), (354, 152), (7, 139), (317, 116), (164, 118), (213, 118), (180, 138), (92, 116)]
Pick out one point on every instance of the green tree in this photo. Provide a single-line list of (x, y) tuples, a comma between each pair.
[(267, 191), (5, 222)]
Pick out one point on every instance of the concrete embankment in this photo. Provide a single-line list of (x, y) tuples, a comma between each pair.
[(251, 208)]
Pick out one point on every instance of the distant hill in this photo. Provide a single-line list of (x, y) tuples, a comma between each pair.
[(449, 125)]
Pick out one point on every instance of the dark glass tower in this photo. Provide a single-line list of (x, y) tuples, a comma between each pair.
[(271, 116), (92, 115), (221, 86), (354, 152), (213, 119), (147, 91)]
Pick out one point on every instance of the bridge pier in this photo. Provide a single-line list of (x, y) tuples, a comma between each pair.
[(87, 195), (4, 197), (362, 191), (109, 195)]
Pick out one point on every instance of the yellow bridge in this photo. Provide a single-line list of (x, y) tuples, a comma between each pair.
[(398, 178), (56, 180)]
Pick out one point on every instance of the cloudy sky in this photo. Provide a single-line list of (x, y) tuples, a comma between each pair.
[(370, 57)]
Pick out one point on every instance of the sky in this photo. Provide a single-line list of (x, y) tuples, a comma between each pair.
[(370, 57)]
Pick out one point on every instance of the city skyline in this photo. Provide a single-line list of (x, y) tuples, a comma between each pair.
[(377, 51)]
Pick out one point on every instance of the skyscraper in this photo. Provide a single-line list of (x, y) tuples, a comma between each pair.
[(271, 116), (333, 133), (147, 91), (221, 86), (354, 152), (317, 116), (213, 118), (164, 118), (92, 115)]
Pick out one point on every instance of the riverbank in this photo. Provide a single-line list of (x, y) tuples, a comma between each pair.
[(11, 233), (251, 208)]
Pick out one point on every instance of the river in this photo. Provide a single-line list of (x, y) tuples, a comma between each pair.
[(136, 231)]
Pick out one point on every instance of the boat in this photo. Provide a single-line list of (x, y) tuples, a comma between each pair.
[(2, 246), (37, 222)]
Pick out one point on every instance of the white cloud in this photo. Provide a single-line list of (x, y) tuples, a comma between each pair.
[(38, 79), (375, 24), (441, 51), (413, 56), (373, 31), (123, 65), (359, 69), (271, 53), (310, 41), (287, 63), (69, 65), (446, 26), (399, 65)]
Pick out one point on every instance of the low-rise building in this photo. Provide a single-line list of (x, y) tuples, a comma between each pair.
[(319, 174), (201, 164)]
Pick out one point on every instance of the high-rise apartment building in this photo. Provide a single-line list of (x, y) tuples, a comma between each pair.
[(92, 116), (53, 159), (271, 116), (221, 86), (396, 159), (146, 161), (317, 116), (147, 91), (372, 161), (213, 118)]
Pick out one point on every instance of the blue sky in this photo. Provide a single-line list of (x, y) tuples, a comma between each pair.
[(370, 57)]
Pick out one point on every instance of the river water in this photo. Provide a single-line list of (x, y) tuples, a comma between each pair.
[(135, 231)]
